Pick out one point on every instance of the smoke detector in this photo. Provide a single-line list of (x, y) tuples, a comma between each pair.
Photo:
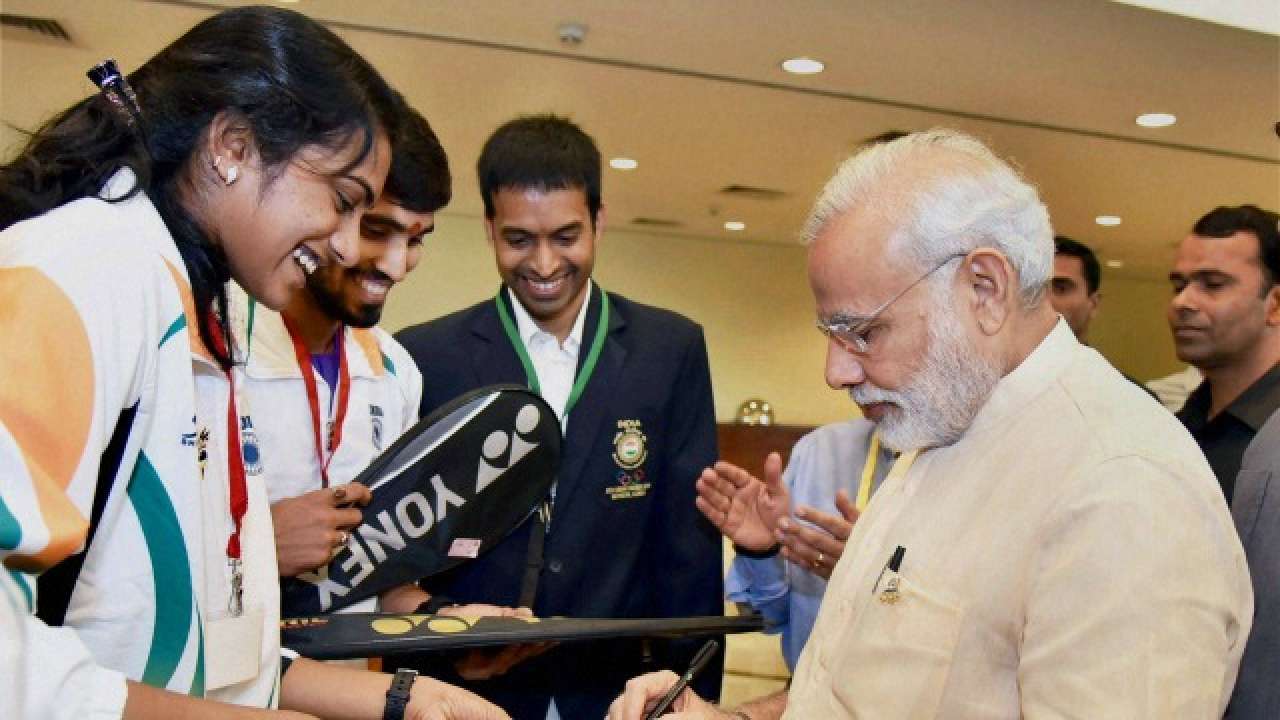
[(572, 33)]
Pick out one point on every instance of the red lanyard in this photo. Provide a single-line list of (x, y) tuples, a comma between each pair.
[(313, 396), (239, 503)]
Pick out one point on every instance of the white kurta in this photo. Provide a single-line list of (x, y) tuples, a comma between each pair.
[(1070, 556)]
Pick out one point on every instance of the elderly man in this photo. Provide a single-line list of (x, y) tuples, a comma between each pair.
[(1050, 543)]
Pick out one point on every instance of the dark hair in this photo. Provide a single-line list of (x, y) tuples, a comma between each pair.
[(1063, 245), (289, 79), (540, 152), (887, 136), (419, 178), (1224, 222)]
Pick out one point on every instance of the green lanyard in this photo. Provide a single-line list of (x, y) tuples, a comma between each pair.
[(588, 367)]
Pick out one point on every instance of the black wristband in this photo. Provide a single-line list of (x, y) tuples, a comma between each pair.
[(398, 694), (754, 555), (432, 605)]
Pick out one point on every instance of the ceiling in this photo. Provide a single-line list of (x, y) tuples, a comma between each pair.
[(694, 93)]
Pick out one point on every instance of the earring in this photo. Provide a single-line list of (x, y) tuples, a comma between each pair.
[(233, 172)]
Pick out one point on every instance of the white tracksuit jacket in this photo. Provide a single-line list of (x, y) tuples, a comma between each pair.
[(386, 390), (96, 331)]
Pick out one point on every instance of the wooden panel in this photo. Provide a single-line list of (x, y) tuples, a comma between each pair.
[(754, 664), (747, 445)]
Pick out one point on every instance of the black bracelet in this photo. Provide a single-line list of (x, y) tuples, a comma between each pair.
[(433, 604), (757, 555)]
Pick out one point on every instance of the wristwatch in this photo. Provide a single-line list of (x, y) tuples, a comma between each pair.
[(398, 694)]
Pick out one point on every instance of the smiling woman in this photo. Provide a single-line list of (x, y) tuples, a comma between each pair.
[(249, 149)]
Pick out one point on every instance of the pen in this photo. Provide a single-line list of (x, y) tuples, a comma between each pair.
[(895, 562), (700, 661), (894, 565)]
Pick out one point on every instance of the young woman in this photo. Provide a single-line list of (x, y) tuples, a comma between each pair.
[(247, 149)]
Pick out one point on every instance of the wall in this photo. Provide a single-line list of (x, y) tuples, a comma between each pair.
[(751, 299), (754, 304), (1130, 328)]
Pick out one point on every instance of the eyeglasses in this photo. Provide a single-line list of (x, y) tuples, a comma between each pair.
[(853, 335)]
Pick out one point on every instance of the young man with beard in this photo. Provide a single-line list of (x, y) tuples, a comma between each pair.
[(324, 389), (620, 536), (1050, 543), (1225, 318)]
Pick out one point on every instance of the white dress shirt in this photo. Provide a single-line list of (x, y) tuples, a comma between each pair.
[(555, 362)]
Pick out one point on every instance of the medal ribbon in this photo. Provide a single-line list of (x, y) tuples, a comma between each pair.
[(313, 396), (239, 494), (588, 366)]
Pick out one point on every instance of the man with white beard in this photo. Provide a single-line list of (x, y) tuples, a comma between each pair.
[(1050, 543)]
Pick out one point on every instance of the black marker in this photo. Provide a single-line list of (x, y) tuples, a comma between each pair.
[(700, 661)]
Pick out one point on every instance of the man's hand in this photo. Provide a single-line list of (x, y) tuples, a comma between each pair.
[(475, 610), (402, 599), (309, 528), (643, 693), (431, 699), (818, 548), (485, 663), (744, 509)]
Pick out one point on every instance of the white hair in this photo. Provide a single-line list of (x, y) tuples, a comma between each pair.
[(939, 401), (947, 193)]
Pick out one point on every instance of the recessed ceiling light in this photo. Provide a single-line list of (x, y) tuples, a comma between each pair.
[(1107, 220), (803, 66), (623, 163), (735, 225), (1156, 120), (1115, 263)]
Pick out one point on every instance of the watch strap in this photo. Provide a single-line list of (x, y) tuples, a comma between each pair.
[(398, 694)]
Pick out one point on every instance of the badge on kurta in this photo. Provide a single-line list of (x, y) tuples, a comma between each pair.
[(629, 452), (890, 595)]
